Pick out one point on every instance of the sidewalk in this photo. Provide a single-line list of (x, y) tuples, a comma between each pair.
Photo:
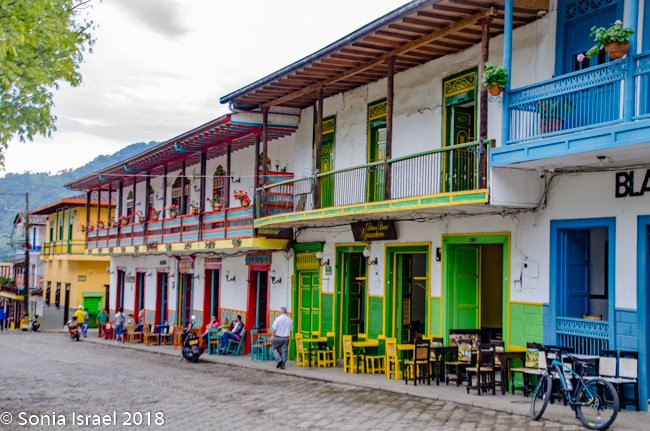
[(513, 404)]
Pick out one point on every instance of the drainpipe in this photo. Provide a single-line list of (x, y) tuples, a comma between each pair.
[(507, 62), (631, 21)]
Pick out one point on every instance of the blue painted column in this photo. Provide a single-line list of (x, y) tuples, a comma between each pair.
[(507, 62), (631, 20)]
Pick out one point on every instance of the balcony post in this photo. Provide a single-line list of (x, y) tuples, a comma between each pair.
[(120, 200), (147, 204), (110, 199), (164, 206), (507, 62), (631, 20), (265, 152), (181, 207), (99, 203), (135, 180), (390, 86), (256, 178), (319, 146), (204, 161), (483, 132), (88, 193)]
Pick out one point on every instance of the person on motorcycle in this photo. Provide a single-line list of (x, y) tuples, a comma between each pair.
[(79, 316)]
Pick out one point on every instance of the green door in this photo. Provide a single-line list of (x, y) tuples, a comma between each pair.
[(355, 283), (326, 165), (405, 287), (466, 282), (93, 304), (460, 164), (376, 150), (308, 302)]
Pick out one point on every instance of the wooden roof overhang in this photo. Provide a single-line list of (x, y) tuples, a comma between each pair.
[(418, 32), (215, 137)]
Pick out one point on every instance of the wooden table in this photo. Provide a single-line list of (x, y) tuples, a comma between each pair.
[(312, 341), (439, 353), (505, 357), (362, 345)]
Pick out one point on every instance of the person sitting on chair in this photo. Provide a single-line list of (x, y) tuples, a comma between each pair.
[(238, 327), (212, 325)]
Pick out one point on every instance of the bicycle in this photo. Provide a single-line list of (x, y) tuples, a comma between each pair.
[(594, 400)]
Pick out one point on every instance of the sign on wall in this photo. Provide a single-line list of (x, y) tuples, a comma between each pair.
[(625, 184), (258, 258), (374, 230), (185, 264), (81, 278)]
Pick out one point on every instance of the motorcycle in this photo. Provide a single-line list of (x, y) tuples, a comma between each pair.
[(33, 323), (191, 348), (73, 329)]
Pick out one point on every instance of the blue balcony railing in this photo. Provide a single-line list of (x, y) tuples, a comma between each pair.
[(642, 76), (568, 103), (587, 337)]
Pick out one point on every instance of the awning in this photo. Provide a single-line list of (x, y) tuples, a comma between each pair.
[(12, 296), (239, 130), (418, 32)]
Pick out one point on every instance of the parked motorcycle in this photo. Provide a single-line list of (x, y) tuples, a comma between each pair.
[(191, 348), (73, 329)]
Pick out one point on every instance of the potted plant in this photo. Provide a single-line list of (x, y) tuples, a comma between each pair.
[(215, 202), (90, 228), (614, 39), (173, 210), (154, 215), (552, 113), (219, 172), (115, 224), (140, 215), (243, 197), (100, 224), (124, 220), (495, 78), (194, 207)]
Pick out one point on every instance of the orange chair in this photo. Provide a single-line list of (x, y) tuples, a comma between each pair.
[(176, 337)]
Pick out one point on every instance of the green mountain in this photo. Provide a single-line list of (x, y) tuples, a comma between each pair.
[(44, 187)]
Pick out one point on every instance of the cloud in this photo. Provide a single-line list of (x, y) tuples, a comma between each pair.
[(162, 17)]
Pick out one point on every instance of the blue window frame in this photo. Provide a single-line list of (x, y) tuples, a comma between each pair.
[(643, 304)]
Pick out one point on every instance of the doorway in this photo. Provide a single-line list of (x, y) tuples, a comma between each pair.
[(475, 284), (376, 150), (185, 288), (643, 304), (66, 303), (351, 291), (459, 120), (107, 299), (257, 303), (211, 295), (161, 299), (306, 295), (138, 301), (326, 162), (407, 286), (119, 296)]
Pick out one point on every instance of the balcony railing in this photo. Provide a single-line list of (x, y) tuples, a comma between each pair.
[(230, 223), (63, 247), (587, 337), (642, 76), (579, 100), (449, 169)]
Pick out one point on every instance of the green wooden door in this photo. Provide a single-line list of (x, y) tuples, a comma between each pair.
[(93, 304), (355, 288), (466, 285), (376, 153), (405, 289), (460, 165), (326, 165), (308, 302)]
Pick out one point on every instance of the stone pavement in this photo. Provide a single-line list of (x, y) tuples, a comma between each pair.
[(46, 373)]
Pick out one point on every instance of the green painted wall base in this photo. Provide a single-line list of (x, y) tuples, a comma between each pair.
[(526, 324)]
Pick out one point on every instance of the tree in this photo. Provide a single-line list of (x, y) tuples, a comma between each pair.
[(42, 44)]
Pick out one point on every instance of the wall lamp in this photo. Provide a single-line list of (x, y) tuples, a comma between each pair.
[(274, 279), (325, 262), (228, 278), (366, 254)]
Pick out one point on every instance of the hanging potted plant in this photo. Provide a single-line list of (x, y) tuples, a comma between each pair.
[(154, 215), (140, 215), (243, 197), (100, 224), (124, 220), (173, 210), (552, 113), (495, 78), (194, 207), (219, 172), (215, 202), (614, 40)]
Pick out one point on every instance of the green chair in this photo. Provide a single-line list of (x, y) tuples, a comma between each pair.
[(213, 341), (234, 346)]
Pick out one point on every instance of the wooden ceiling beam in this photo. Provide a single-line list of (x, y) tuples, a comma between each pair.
[(405, 48)]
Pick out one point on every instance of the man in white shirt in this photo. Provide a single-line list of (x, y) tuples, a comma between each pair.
[(281, 329)]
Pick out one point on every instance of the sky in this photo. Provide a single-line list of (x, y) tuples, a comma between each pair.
[(159, 67)]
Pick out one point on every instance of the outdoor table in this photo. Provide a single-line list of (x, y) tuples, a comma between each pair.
[(311, 342), (159, 329), (362, 345), (439, 353), (505, 357)]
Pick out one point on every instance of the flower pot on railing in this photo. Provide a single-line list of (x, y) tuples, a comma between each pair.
[(115, 224), (245, 202), (173, 213), (124, 221), (550, 125), (154, 217), (140, 219), (194, 211), (216, 206), (495, 90), (617, 50), (100, 225)]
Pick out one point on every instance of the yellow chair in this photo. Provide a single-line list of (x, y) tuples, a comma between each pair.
[(149, 338), (327, 356), (375, 363), (302, 354), (349, 358), (392, 363)]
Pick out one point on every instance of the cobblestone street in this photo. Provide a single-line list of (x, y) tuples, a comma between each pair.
[(45, 373)]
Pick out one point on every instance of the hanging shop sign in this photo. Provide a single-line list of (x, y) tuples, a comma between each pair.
[(185, 264), (625, 184), (213, 263), (374, 230), (129, 279), (258, 259)]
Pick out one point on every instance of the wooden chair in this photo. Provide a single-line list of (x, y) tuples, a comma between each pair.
[(626, 375), (258, 346), (176, 336), (376, 362), (534, 365), (498, 346), (133, 336), (166, 337), (213, 341), (484, 371), (149, 338), (392, 362), (109, 333), (455, 368), (302, 354), (234, 346), (349, 358), (327, 356), (418, 367)]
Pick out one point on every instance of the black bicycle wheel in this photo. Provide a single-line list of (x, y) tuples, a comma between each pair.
[(541, 396), (599, 411)]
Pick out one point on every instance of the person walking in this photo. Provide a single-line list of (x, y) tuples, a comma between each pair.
[(3, 316), (102, 318), (281, 330), (119, 324), (84, 327)]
